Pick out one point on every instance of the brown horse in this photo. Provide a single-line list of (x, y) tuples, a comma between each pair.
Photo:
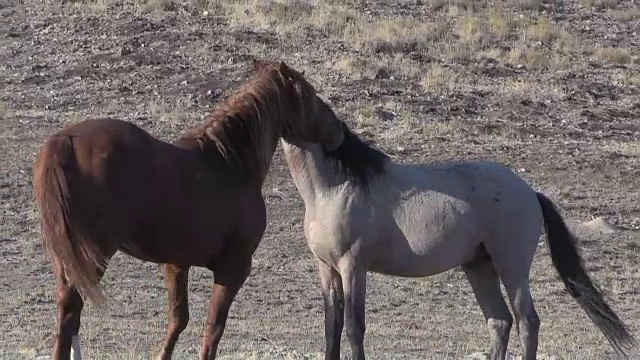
[(104, 185)]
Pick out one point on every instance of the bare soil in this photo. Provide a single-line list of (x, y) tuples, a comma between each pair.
[(548, 88)]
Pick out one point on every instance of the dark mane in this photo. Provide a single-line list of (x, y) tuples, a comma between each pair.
[(242, 128), (356, 159)]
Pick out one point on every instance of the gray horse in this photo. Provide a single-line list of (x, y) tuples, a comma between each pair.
[(366, 213)]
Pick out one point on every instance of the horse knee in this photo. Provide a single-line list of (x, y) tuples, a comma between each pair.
[(355, 333), (531, 321), (501, 326), (70, 306), (356, 328), (179, 323), (69, 299)]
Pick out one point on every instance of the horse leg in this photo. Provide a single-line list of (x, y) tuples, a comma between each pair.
[(354, 283), (176, 280), (486, 287), (70, 305), (527, 320), (333, 297), (229, 276)]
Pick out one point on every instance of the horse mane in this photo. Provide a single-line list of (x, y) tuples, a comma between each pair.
[(241, 128), (356, 159)]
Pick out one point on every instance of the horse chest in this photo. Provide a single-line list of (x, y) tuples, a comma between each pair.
[(325, 241)]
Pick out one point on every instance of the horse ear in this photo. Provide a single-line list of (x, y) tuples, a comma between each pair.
[(286, 70), (258, 64)]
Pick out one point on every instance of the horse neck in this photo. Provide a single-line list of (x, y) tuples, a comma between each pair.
[(247, 147), (309, 170), (259, 151)]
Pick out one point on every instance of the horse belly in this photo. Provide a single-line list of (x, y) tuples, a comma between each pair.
[(175, 243), (437, 257)]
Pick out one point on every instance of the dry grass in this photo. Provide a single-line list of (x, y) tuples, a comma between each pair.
[(437, 77), (396, 35), (543, 30), (4, 109), (624, 148), (626, 14), (151, 6), (432, 80), (600, 4), (612, 55)]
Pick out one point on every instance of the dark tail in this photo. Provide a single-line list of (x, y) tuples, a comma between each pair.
[(567, 261), (61, 228)]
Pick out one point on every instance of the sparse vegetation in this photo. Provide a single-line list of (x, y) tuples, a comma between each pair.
[(600, 4), (542, 30), (626, 14), (437, 77), (547, 87), (150, 6), (612, 55)]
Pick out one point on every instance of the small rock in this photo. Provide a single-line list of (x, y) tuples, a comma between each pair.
[(125, 50), (599, 225), (477, 356)]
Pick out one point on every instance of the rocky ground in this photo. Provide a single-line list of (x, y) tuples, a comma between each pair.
[(548, 88)]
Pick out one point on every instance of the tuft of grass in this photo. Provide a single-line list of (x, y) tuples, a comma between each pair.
[(365, 115), (346, 65), (626, 79), (396, 35), (470, 30), (280, 17), (172, 116), (530, 58), (152, 6), (459, 5), (441, 128), (626, 14), (612, 55), (599, 4), (437, 77), (500, 24), (631, 148), (4, 109), (543, 30), (529, 4), (331, 19), (334, 20), (397, 66), (400, 66)]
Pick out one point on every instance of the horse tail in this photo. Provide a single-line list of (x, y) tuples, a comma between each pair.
[(567, 261), (81, 260)]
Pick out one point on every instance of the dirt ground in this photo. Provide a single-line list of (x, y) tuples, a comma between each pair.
[(549, 88)]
